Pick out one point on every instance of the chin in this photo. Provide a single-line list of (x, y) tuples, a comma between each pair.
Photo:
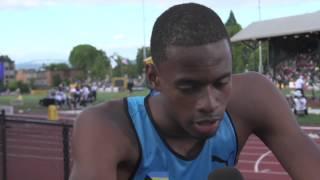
[(204, 136)]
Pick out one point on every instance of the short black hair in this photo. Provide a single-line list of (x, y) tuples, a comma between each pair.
[(187, 24)]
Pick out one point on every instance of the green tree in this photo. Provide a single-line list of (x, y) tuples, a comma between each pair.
[(32, 83), (139, 59), (239, 57), (265, 56), (239, 51), (245, 56), (232, 25), (13, 85), (56, 80), (118, 69), (5, 58), (2, 86), (89, 60), (24, 88), (56, 66), (100, 68), (253, 63), (132, 70), (124, 67)]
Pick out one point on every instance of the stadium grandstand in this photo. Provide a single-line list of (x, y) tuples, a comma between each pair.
[(294, 45)]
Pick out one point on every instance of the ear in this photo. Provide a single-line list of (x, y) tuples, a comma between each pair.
[(152, 77)]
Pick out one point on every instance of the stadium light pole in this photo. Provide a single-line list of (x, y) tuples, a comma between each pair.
[(260, 48), (143, 27)]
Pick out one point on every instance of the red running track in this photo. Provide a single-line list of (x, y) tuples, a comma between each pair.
[(257, 162), (34, 152)]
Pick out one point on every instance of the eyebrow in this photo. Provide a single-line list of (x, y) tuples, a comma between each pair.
[(191, 80)]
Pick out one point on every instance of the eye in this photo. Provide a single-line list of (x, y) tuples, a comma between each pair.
[(188, 88), (221, 83), (185, 86)]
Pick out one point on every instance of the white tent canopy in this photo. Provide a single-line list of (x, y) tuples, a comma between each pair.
[(292, 25)]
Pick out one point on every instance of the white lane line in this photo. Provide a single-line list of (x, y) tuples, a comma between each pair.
[(54, 149), (249, 154), (269, 173), (33, 141), (264, 162), (39, 136), (310, 128), (256, 165), (33, 157), (255, 147)]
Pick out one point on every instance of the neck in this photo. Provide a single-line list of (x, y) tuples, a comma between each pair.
[(165, 124), (175, 136), (186, 148)]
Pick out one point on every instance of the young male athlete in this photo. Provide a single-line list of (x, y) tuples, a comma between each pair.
[(201, 118)]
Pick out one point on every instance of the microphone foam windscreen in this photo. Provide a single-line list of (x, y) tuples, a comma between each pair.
[(228, 173)]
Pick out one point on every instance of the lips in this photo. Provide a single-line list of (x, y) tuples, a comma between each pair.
[(207, 120), (207, 126)]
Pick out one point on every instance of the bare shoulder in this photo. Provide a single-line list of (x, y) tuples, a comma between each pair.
[(104, 143), (252, 82), (254, 95), (108, 120), (258, 107)]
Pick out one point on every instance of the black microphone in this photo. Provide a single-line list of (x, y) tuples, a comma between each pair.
[(227, 173)]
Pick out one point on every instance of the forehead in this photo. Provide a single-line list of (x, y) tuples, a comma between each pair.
[(207, 60)]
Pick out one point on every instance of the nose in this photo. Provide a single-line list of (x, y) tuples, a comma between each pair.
[(208, 102)]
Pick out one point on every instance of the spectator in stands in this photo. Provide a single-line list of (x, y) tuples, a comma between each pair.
[(279, 80), (60, 97), (85, 92), (94, 89), (130, 85), (299, 84), (312, 84)]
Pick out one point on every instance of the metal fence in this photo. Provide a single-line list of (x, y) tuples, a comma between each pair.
[(34, 148)]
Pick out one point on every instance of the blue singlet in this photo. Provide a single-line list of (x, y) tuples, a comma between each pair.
[(159, 162)]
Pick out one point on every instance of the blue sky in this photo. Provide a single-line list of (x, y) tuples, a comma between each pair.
[(49, 29)]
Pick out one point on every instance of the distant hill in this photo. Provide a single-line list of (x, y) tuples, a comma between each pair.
[(37, 64)]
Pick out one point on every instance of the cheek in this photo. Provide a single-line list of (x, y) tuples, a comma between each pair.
[(185, 104), (182, 103), (226, 93), (181, 107)]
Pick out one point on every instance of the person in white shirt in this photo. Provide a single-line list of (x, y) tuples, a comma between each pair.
[(299, 84), (300, 103), (94, 89)]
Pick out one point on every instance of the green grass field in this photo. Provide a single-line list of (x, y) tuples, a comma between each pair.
[(30, 103), (310, 119), (308, 93)]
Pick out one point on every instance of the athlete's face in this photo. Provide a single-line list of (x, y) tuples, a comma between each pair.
[(195, 84)]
